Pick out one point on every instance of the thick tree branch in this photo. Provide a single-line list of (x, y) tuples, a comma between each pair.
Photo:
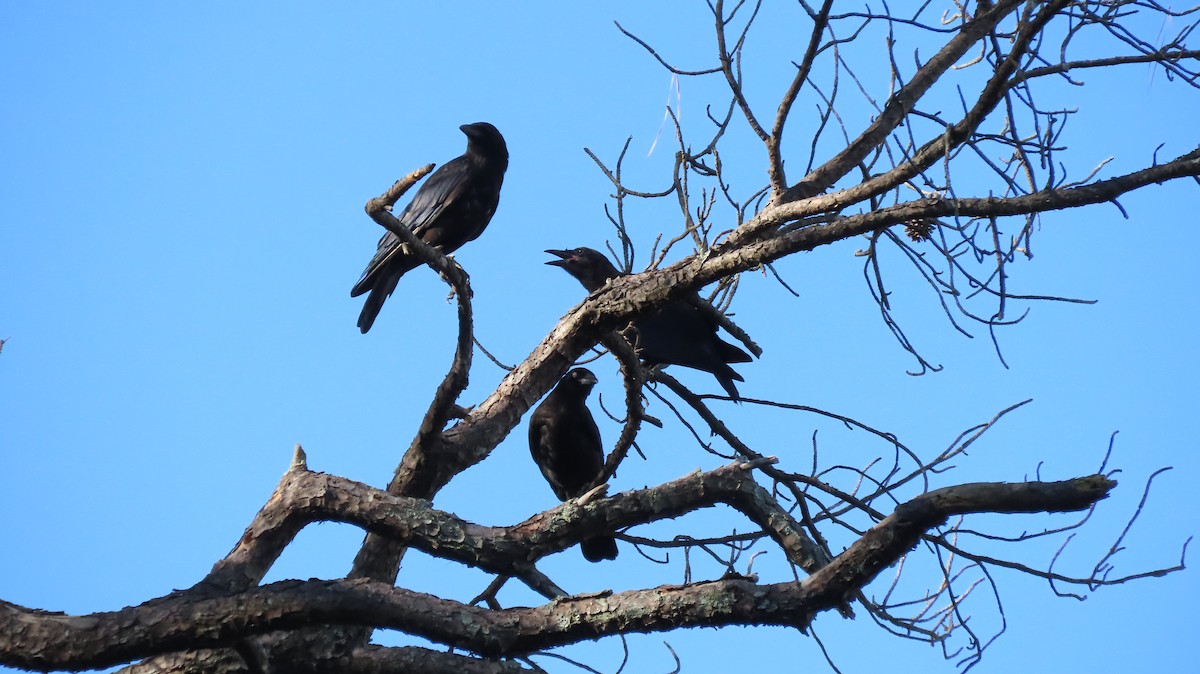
[(192, 619), (380, 660), (368, 659), (303, 497)]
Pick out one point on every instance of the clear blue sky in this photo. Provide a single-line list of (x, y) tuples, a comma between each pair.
[(181, 220)]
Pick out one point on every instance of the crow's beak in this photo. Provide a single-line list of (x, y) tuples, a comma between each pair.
[(564, 254), (587, 378)]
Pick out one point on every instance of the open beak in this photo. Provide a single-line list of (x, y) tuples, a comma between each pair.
[(564, 254)]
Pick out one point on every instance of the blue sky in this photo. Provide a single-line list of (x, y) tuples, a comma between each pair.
[(181, 221)]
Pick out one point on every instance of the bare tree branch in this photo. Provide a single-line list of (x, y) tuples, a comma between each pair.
[(105, 639)]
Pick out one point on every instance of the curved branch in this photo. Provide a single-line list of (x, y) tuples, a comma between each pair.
[(660, 59), (194, 619), (442, 407), (304, 497), (727, 62), (775, 172), (634, 379), (379, 559)]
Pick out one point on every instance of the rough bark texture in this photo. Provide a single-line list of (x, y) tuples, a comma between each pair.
[(204, 618)]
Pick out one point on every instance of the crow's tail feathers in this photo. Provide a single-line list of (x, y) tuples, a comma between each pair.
[(599, 548), (370, 310), (732, 354), (726, 379), (382, 290)]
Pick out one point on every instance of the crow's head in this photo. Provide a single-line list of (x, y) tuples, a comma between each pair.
[(578, 382), (484, 140), (589, 266)]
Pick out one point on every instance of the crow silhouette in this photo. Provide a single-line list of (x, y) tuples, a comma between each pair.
[(565, 445), (679, 333), (451, 208)]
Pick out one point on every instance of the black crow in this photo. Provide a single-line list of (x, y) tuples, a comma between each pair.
[(451, 208), (677, 334), (565, 444)]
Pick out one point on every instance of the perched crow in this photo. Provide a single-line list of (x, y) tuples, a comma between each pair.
[(565, 444), (451, 208), (677, 334)]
